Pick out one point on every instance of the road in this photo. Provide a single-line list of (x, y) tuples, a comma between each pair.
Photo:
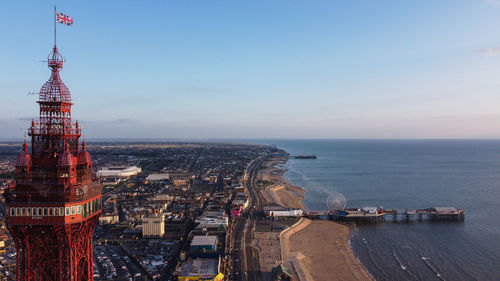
[(2, 210), (245, 259)]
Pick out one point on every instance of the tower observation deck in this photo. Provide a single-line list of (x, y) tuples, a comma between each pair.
[(53, 205)]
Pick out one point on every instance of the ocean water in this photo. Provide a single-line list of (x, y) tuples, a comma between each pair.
[(411, 174)]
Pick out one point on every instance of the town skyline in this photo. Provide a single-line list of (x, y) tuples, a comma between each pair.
[(260, 70)]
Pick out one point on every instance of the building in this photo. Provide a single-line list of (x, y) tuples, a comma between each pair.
[(181, 182), (118, 172), (286, 213), (281, 273), (203, 243), (153, 226), (53, 206), (109, 219), (200, 269), (158, 177), (218, 223), (3, 238)]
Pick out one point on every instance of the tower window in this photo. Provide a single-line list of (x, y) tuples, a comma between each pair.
[(51, 211), (73, 210), (28, 212), (23, 211), (40, 211), (45, 211), (68, 211), (18, 211), (78, 209), (61, 211), (12, 212)]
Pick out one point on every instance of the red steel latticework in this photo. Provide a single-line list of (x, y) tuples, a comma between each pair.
[(53, 205)]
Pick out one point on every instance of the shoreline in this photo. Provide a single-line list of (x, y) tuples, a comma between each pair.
[(313, 249)]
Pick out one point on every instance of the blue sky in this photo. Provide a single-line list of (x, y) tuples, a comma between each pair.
[(260, 69)]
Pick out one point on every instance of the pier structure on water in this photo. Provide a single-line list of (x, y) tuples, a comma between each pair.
[(374, 214)]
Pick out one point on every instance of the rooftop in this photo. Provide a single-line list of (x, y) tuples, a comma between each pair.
[(204, 240), (200, 267)]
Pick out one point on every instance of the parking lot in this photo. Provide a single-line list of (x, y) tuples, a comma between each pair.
[(112, 263)]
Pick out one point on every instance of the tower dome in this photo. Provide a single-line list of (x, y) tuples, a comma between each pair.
[(55, 90), (66, 159), (84, 156), (24, 159)]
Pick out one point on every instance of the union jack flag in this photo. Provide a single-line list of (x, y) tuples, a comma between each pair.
[(64, 19)]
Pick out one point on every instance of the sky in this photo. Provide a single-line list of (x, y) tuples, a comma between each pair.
[(189, 69)]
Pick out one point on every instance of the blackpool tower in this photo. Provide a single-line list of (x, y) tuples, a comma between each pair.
[(53, 206)]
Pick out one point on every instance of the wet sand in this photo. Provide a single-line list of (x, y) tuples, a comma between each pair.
[(283, 197), (315, 249), (280, 192)]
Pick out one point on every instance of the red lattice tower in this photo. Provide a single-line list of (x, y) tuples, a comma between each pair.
[(53, 205)]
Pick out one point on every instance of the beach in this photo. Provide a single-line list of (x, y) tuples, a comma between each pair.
[(314, 249)]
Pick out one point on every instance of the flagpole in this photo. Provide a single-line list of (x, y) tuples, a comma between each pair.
[(55, 26)]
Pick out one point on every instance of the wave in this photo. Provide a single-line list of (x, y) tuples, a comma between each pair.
[(401, 265), (373, 260), (432, 268)]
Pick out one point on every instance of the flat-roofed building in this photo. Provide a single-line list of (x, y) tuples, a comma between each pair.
[(203, 243), (181, 182), (200, 269), (109, 219), (158, 177), (286, 213), (220, 222), (118, 172)]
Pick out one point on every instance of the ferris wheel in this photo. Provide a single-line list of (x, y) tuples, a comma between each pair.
[(336, 202)]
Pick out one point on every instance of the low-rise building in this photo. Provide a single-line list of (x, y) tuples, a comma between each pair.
[(286, 213), (118, 172), (200, 269), (281, 273), (212, 223), (109, 219), (158, 177), (181, 182), (203, 243)]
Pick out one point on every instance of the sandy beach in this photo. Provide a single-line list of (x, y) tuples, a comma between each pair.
[(283, 197), (314, 249), (318, 250), (281, 192)]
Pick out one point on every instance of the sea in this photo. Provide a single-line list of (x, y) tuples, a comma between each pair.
[(415, 174)]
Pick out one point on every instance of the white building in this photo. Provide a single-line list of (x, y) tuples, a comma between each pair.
[(153, 226), (118, 172), (287, 213), (158, 177), (219, 222), (109, 219)]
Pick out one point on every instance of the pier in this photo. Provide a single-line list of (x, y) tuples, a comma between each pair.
[(375, 215)]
